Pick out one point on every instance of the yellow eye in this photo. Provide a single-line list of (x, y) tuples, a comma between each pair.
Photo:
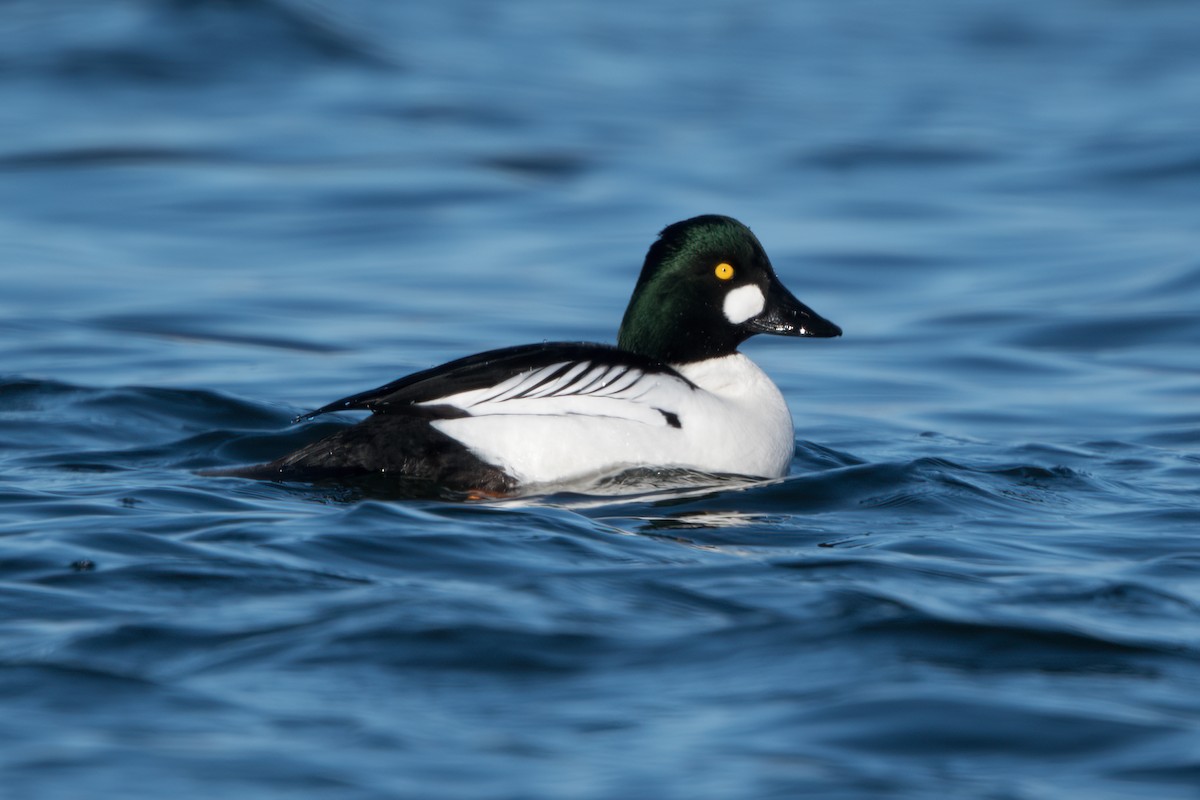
[(724, 271)]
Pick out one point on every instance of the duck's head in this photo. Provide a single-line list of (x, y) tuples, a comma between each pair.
[(706, 287)]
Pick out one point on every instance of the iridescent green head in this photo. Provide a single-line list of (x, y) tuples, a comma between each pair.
[(707, 286)]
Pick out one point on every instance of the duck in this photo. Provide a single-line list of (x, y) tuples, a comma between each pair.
[(674, 393)]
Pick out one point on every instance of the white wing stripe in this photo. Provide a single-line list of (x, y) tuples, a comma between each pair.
[(614, 374), (568, 388), (527, 381), (489, 393), (576, 376), (588, 380), (623, 382), (494, 394), (558, 384)]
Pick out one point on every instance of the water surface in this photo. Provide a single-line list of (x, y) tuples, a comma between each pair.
[(979, 578)]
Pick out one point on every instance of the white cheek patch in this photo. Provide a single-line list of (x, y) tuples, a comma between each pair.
[(743, 303)]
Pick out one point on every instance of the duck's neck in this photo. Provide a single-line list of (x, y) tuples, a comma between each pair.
[(664, 327)]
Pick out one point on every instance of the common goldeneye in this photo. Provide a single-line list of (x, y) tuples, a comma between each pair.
[(674, 393)]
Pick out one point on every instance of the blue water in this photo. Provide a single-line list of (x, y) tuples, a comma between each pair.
[(980, 580)]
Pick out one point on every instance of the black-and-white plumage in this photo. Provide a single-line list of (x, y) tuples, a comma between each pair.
[(675, 392), (510, 380)]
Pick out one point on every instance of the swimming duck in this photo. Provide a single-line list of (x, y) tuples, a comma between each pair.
[(674, 393)]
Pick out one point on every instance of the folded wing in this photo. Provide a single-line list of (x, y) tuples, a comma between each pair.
[(552, 379)]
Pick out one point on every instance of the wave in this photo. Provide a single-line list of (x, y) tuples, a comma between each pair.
[(220, 430), (188, 41)]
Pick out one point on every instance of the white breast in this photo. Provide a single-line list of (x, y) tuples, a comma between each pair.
[(735, 421)]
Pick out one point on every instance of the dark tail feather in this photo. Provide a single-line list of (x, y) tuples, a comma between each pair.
[(402, 446)]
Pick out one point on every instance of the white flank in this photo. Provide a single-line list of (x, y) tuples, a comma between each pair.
[(735, 422), (743, 303)]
